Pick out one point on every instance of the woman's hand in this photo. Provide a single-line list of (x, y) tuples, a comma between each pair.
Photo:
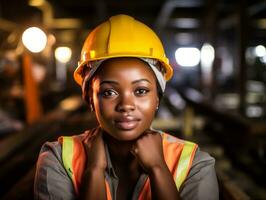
[(93, 182), (95, 151), (149, 151)]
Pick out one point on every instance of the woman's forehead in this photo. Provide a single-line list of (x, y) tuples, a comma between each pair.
[(127, 68)]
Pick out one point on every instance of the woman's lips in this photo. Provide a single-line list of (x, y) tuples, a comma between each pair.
[(126, 123)]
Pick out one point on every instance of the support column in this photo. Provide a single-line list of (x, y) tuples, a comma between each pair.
[(210, 31), (242, 36), (31, 91)]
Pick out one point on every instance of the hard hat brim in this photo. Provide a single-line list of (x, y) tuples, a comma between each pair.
[(78, 72)]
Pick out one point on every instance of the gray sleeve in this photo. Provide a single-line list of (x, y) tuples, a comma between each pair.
[(201, 183), (51, 179)]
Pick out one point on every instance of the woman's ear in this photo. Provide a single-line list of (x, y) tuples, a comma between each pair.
[(157, 103), (91, 103), (90, 99)]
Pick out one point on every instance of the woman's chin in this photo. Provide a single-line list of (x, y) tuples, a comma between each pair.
[(125, 136)]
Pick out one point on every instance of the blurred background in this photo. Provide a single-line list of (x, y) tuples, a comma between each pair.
[(216, 97)]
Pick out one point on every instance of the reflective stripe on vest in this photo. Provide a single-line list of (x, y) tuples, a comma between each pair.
[(67, 157), (178, 155), (72, 151), (184, 163)]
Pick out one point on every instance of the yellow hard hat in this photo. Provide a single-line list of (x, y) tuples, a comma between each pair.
[(122, 36)]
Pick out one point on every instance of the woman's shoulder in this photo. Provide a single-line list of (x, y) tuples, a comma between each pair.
[(174, 139), (201, 181), (201, 158), (56, 146)]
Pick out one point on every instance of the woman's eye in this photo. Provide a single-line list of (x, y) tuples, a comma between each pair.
[(108, 93), (142, 91)]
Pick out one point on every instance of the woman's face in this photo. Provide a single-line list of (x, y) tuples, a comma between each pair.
[(124, 96)]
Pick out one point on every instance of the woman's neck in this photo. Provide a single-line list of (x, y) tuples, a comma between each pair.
[(119, 150), (124, 163)]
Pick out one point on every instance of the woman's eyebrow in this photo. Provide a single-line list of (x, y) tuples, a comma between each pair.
[(116, 83), (109, 82), (140, 80)]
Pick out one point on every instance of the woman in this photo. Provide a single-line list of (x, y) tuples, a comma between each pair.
[(122, 72)]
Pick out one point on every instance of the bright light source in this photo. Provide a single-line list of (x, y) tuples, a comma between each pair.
[(260, 51), (206, 60), (34, 39), (63, 54), (263, 59), (187, 56), (207, 55), (254, 111)]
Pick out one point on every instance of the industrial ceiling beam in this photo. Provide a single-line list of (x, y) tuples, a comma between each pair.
[(6, 25), (252, 10), (48, 16), (168, 8)]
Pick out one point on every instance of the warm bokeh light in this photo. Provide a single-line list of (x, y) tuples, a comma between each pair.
[(63, 54), (71, 103), (34, 39), (187, 56), (36, 2)]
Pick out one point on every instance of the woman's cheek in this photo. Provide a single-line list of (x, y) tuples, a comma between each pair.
[(148, 105)]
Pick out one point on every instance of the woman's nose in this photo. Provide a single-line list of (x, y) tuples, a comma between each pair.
[(126, 103)]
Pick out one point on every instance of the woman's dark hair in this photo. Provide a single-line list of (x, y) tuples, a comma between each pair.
[(86, 86)]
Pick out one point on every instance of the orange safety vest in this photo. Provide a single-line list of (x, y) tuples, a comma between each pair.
[(178, 155)]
